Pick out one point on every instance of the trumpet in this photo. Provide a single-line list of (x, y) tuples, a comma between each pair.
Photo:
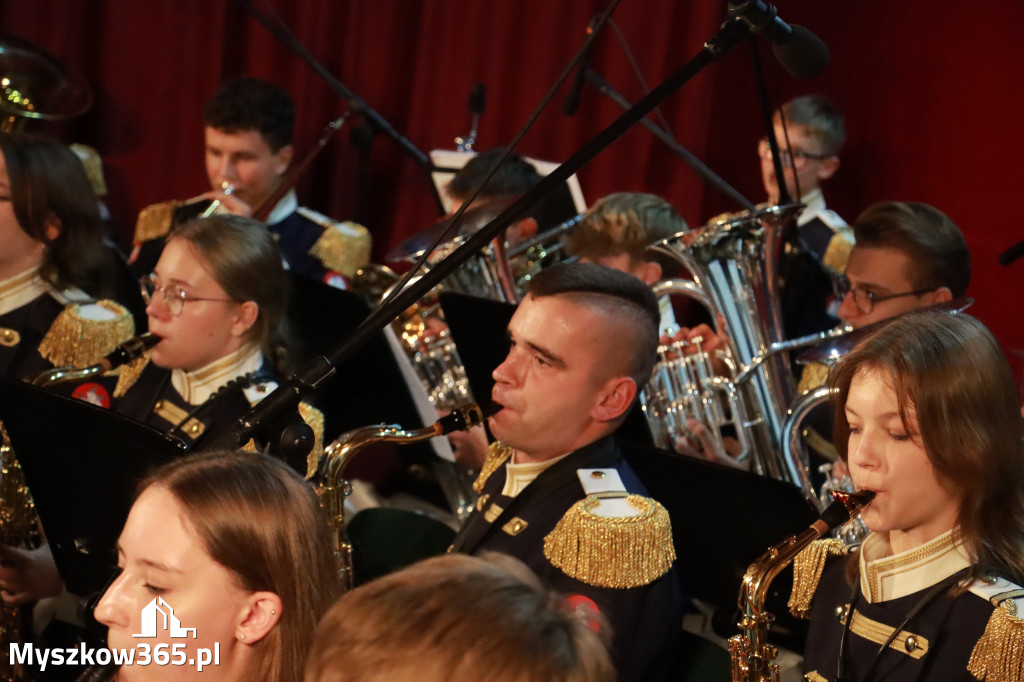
[(333, 488), (752, 658)]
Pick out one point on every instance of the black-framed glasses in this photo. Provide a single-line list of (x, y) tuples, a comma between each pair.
[(864, 299), (174, 296), (796, 158)]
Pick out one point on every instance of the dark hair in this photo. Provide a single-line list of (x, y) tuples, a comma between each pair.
[(49, 187), (246, 262), (935, 247), (951, 371), (625, 222), (822, 119), (457, 617), (252, 104), (259, 520), (515, 176), (616, 293)]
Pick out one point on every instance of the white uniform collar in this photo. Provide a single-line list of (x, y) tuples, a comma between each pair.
[(197, 386), (814, 203), (285, 207), (883, 578), (518, 476), (21, 289)]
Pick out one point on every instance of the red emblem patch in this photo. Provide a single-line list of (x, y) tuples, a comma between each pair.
[(93, 393), (586, 610)]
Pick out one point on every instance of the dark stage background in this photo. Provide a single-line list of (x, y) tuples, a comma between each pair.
[(933, 93)]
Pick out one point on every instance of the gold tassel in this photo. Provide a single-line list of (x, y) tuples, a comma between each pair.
[(497, 453), (837, 254), (315, 419), (128, 374), (80, 342), (999, 653), (815, 374), (807, 568), (620, 552), (155, 221), (341, 250)]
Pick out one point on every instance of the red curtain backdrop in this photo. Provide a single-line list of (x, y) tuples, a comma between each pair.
[(932, 91)]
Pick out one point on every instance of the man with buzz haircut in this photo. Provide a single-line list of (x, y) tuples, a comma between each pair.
[(248, 139), (555, 490)]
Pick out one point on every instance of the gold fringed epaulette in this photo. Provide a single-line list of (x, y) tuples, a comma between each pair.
[(837, 254), (815, 374), (128, 374), (343, 247), (84, 333), (807, 568), (155, 221), (999, 653), (497, 454), (315, 419), (619, 552)]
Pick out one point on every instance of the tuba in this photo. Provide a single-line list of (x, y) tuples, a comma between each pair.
[(753, 659), (734, 264)]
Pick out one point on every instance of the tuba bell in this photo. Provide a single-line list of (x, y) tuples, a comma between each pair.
[(34, 85)]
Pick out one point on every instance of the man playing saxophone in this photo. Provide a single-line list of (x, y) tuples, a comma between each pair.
[(555, 491)]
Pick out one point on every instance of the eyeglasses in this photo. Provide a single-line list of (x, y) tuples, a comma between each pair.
[(796, 158), (864, 299), (174, 296)]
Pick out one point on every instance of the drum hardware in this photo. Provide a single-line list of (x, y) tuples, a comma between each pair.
[(753, 658)]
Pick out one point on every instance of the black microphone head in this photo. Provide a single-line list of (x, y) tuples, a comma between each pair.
[(803, 54), (477, 99)]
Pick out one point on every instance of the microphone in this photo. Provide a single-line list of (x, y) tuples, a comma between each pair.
[(799, 51), (1011, 254), (477, 99), (572, 100)]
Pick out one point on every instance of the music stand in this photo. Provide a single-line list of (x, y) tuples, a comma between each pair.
[(82, 464)]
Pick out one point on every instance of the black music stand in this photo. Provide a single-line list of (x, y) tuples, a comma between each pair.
[(369, 387), (82, 464)]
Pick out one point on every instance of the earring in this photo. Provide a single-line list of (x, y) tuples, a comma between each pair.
[(242, 637), (273, 613)]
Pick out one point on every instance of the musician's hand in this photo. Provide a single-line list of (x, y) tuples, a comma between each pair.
[(28, 574), (230, 203), (703, 446), (469, 446)]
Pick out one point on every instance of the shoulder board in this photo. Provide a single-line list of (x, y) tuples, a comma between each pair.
[(815, 374), (155, 221), (807, 568), (611, 538), (497, 454), (836, 222), (343, 247), (84, 333), (837, 253), (315, 419), (999, 652), (128, 374)]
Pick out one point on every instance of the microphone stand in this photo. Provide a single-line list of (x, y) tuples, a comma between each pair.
[(698, 166), (362, 136), (281, 406)]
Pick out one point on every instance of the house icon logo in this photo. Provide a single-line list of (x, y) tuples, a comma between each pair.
[(158, 611)]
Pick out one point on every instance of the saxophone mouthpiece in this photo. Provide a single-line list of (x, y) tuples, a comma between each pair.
[(460, 419), (845, 506)]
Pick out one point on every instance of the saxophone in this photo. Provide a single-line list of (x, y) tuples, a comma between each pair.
[(753, 658), (333, 488), (18, 528)]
